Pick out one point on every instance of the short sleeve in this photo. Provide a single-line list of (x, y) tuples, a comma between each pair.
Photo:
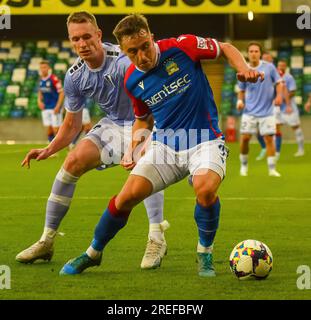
[(199, 48), (74, 101), (291, 83), (57, 83), (242, 85)]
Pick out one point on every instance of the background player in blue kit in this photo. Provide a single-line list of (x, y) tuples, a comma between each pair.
[(50, 100), (256, 100), (98, 74), (169, 88)]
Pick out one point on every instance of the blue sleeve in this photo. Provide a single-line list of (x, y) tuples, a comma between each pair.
[(291, 84), (242, 85), (74, 101), (274, 74)]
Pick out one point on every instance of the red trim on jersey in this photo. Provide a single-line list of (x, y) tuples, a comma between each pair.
[(197, 48), (211, 125), (116, 212), (56, 83), (141, 110)]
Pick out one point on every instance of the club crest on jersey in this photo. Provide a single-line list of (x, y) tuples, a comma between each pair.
[(171, 67)]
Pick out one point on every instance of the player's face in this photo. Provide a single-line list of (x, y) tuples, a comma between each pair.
[(267, 57), (254, 54), (140, 49), (44, 70), (282, 66), (85, 39)]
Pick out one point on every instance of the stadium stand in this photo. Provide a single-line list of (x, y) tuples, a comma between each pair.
[(19, 79)]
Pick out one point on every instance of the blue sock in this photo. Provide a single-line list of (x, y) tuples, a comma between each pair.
[(108, 226), (51, 137), (278, 142), (261, 141), (207, 220)]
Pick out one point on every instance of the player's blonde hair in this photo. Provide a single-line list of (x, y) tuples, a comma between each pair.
[(130, 25), (82, 17)]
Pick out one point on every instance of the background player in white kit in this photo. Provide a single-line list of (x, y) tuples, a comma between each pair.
[(256, 100), (98, 74), (288, 112)]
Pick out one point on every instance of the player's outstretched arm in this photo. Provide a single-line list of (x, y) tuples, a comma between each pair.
[(140, 132), (67, 132), (237, 61)]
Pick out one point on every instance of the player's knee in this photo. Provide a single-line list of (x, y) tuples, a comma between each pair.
[(74, 165), (206, 195)]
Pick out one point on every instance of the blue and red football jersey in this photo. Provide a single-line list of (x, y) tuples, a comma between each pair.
[(50, 88), (177, 92)]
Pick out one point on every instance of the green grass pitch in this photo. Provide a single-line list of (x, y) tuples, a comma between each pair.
[(275, 211)]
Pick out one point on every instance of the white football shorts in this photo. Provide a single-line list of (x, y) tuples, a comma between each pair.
[(265, 125), (51, 119), (163, 166)]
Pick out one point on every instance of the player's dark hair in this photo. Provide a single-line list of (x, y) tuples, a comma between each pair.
[(283, 60), (130, 25), (82, 17), (255, 43)]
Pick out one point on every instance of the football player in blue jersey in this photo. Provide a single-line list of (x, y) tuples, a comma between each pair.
[(256, 101), (98, 74), (50, 100), (169, 89)]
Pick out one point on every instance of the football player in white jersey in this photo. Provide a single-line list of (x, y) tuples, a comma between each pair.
[(256, 101), (99, 74), (288, 112)]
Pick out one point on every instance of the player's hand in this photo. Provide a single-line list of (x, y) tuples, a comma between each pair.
[(38, 154), (278, 100), (41, 105), (250, 75), (308, 106), (127, 161), (56, 110), (289, 109), (240, 105)]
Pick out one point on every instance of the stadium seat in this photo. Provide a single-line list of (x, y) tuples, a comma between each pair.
[(297, 62), (63, 55), (6, 44), (60, 66), (13, 89), (54, 50), (42, 44), (19, 75), (66, 44), (21, 102)]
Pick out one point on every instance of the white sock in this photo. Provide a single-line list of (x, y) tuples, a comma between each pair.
[(155, 232), (244, 159), (92, 253), (48, 235), (271, 163), (299, 139), (201, 249)]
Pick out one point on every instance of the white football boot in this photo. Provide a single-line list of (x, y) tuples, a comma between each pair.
[(155, 250), (42, 249)]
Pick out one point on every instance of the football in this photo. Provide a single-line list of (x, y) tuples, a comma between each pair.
[(251, 258)]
